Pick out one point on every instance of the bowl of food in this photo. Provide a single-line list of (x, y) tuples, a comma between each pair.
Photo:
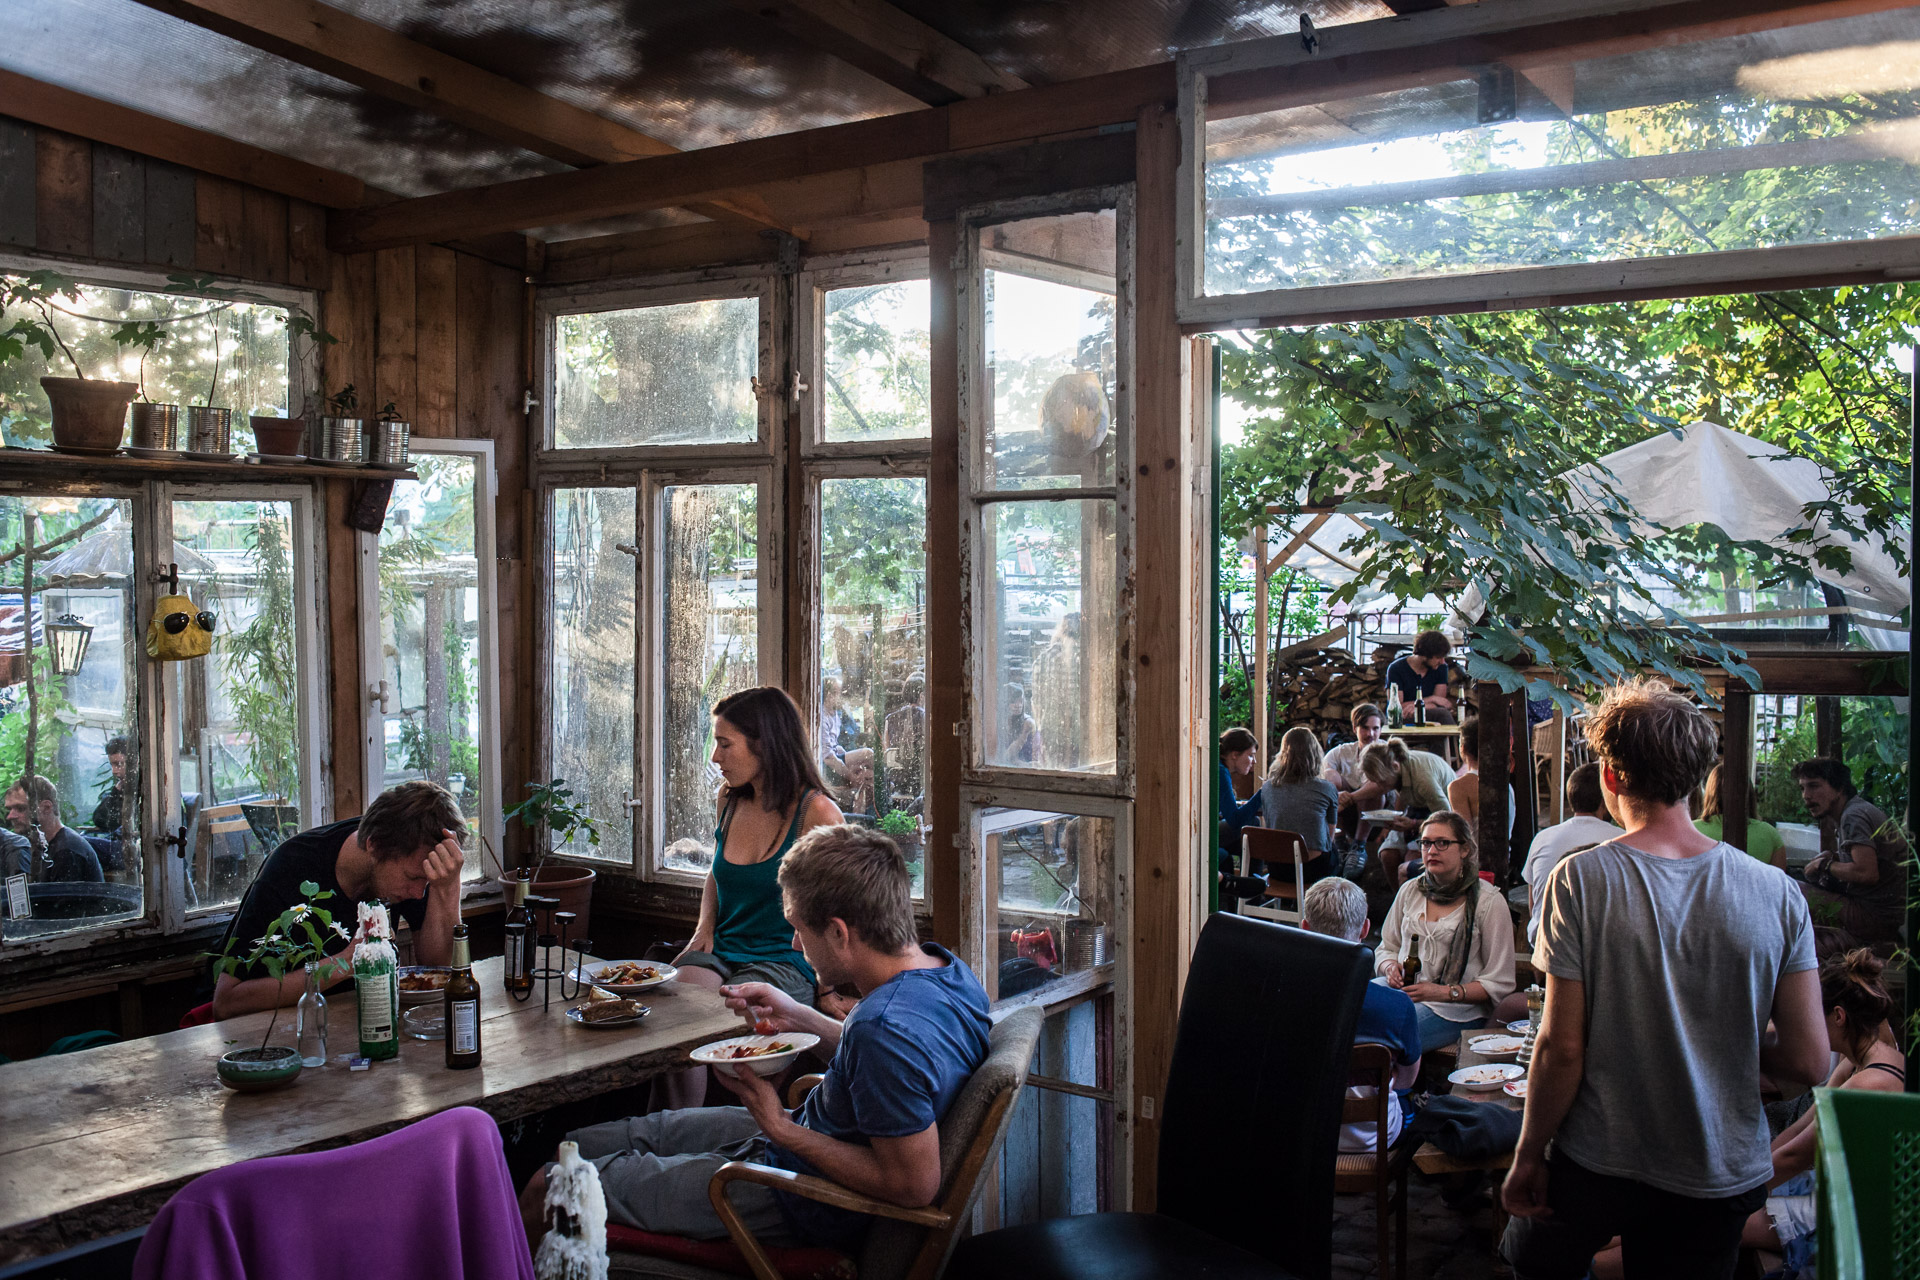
[(627, 977), (766, 1055), (1501, 1046), (1487, 1077), (423, 983)]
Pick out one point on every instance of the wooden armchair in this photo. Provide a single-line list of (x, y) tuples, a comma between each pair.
[(1382, 1171)]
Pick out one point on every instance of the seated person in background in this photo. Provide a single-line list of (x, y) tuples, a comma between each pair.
[(1862, 886), (1421, 779), (1462, 928), (1463, 793), (16, 856), (1237, 756), (905, 734), (872, 1125), (59, 852), (1424, 676), (837, 731), (1022, 742), (1342, 767), (1587, 827), (1763, 838), (856, 796), (1338, 908), (1297, 799), (111, 811), (405, 849)]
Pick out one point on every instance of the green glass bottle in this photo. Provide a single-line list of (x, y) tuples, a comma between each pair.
[(376, 980)]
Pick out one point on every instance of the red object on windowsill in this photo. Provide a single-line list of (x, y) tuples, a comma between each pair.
[(724, 1255)]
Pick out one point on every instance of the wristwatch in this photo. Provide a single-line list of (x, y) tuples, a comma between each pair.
[(1456, 993)]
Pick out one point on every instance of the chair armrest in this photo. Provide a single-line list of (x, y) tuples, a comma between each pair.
[(799, 1184), (801, 1087)]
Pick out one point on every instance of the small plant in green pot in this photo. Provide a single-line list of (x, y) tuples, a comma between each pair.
[(301, 934), (555, 817)]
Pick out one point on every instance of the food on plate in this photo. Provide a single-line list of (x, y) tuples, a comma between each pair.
[(424, 980), (1483, 1075), (625, 973), (607, 1010), (1498, 1044), (737, 1051), (1516, 1088)]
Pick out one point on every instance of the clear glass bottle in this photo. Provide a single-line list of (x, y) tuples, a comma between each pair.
[(312, 1021)]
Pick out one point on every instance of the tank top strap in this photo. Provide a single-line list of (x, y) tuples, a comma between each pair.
[(799, 812), (726, 817)]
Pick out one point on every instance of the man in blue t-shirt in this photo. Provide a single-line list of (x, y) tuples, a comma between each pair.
[(1338, 908), (1426, 676), (873, 1124)]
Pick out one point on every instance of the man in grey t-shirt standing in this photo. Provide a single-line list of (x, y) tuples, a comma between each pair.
[(1666, 953)]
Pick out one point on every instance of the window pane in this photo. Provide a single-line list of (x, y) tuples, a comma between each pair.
[(1788, 137), (592, 573), (876, 362), (1051, 374), (710, 627), (1055, 878), (430, 634), (238, 708), (235, 352), (82, 860), (873, 654), (1049, 623), (680, 374)]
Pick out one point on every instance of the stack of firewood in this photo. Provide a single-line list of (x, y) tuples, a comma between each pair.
[(1319, 688)]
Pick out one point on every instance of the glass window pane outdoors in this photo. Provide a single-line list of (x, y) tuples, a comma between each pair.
[(81, 851), (679, 374), (1796, 136), (1051, 374), (430, 634), (875, 363), (1055, 873), (592, 674), (240, 744), (1049, 635), (225, 353), (873, 655), (710, 633)]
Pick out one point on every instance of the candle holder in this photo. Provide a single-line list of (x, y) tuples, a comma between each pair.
[(555, 925)]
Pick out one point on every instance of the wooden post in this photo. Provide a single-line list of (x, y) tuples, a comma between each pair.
[(1827, 731), (1557, 767), (1257, 694), (1495, 762), (1524, 802), (1736, 764), (946, 703)]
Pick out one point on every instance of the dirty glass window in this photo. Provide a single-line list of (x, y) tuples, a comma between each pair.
[(591, 716), (875, 362), (675, 374), (710, 646), (1053, 879), (67, 592)]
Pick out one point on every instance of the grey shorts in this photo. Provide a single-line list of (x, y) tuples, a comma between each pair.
[(655, 1169), (775, 973)]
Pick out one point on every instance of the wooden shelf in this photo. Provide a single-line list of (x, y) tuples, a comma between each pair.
[(73, 466)]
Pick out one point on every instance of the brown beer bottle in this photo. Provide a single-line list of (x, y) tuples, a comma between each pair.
[(1410, 971), (463, 1005), (519, 963)]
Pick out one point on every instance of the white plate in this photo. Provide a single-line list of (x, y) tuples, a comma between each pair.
[(1519, 1028), (1486, 1077), (608, 1024), (591, 973), (1499, 1044), (1382, 815), (768, 1064), (1515, 1089), (411, 998), (136, 451), (280, 458)]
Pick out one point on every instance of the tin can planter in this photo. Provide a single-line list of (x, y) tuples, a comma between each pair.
[(89, 415), (156, 427), (259, 1070)]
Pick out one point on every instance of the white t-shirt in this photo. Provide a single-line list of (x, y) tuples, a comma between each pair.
[(1550, 844), (1342, 767), (1358, 1139)]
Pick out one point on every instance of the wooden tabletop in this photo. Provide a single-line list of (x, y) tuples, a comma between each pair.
[(93, 1143), (1431, 1159)]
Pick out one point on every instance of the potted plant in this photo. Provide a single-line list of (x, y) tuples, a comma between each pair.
[(89, 414), (554, 818), (341, 428), (300, 935), (904, 827), (391, 435)]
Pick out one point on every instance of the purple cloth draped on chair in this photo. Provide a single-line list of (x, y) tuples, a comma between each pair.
[(428, 1201)]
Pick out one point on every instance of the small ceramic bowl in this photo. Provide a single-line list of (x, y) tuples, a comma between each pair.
[(258, 1070)]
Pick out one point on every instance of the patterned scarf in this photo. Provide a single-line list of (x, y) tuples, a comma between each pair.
[(1464, 884)]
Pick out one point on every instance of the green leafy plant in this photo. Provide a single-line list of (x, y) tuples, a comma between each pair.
[(551, 810), (261, 662), (298, 935), (38, 292), (345, 402), (388, 413), (898, 822)]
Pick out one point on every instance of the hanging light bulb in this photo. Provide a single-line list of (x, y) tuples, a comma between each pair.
[(68, 637)]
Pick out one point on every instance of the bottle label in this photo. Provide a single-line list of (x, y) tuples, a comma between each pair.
[(516, 954), (376, 1008), (463, 1028)]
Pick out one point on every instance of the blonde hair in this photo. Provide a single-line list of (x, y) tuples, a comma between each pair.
[(1299, 760), (1382, 761), (854, 874)]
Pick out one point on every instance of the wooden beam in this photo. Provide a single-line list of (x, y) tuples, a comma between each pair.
[(1297, 541), (52, 107), (1736, 764), (1495, 761), (1101, 160), (888, 44), (665, 181), (946, 657)]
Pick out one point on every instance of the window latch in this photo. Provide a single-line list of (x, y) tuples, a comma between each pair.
[(381, 694), (177, 841)]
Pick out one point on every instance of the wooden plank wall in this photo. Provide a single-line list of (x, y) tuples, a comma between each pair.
[(439, 333)]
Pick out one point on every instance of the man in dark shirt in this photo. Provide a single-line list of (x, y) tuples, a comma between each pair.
[(1423, 676), (110, 813), (64, 855), (405, 849), (1861, 885)]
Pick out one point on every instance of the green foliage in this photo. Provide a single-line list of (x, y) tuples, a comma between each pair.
[(898, 822), (344, 403), (262, 678), (297, 935), (550, 807), (56, 714), (876, 372)]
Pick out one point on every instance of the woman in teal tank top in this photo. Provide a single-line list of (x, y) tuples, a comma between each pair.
[(772, 794)]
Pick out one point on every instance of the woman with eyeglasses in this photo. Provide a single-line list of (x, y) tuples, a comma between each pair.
[(1464, 930)]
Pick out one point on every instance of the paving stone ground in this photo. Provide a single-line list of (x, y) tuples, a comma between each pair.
[(1443, 1243)]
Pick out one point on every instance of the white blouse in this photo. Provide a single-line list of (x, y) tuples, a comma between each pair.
[(1490, 963)]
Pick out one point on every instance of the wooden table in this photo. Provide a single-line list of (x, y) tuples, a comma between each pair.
[(1444, 736), (93, 1143), (1431, 1159)]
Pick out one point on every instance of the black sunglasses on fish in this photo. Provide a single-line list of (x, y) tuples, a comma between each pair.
[(175, 623)]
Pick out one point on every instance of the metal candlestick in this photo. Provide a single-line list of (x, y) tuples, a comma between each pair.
[(555, 927)]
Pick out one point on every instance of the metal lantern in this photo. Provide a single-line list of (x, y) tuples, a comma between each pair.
[(68, 637)]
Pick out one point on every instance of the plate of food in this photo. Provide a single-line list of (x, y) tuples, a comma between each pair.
[(422, 983), (1383, 815), (1499, 1045), (627, 977), (606, 1015), (764, 1055), (1515, 1089), (1487, 1077)]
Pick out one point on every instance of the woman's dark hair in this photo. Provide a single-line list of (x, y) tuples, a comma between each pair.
[(1237, 739), (770, 721), (1710, 799), (1850, 982), (1470, 739)]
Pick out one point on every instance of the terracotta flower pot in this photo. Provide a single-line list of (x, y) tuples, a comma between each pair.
[(89, 415), (573, 886), (281, 437)]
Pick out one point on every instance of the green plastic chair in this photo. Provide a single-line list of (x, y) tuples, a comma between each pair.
[(1869, 1204)]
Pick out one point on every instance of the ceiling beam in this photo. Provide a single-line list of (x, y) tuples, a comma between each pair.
[(384, 62), (888, 44), (49, 106), (663, 181)]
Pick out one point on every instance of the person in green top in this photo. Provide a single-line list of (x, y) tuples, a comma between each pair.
[(1763, 838), (771, 793)]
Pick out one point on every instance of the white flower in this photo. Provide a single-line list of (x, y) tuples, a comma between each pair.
[(342, 931), (301, 910)]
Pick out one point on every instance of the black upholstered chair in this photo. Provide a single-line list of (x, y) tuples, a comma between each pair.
[(1249, 1126)]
